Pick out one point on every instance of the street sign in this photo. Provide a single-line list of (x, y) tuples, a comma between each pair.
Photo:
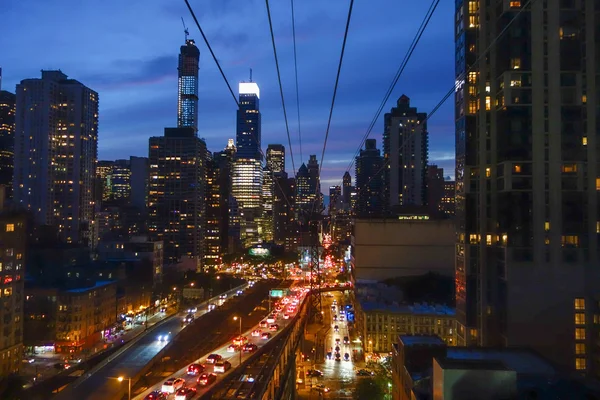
[(278, 292)]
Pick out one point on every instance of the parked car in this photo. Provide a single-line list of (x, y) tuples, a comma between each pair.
[(206, 379)]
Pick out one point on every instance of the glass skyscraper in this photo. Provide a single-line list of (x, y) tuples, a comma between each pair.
[(187, 100), (248, 122)]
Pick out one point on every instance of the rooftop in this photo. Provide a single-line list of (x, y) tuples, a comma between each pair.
[(522, 361), (484, 365), (415, 340), (424, 309), (97, 285)]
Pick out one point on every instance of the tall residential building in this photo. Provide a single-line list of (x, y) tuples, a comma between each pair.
[(528, 178), (346, 189), (248, 134), (369, 180), (187, 93), (314, 181), (304, 197), (56, 147), (405, 149), (447, 205), (247, 177), (268, 198), (176, 193), (121, 181), (335, 199), (7, 139), (276, 158), (213, 215), (229, 237), (435, 190), (103, 181), (13, 236), (139, 182), (283, 208)]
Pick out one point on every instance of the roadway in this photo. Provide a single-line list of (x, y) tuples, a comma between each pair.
[(232, 357), (98, 383)]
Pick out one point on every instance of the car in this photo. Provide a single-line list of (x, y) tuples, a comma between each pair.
[(185, 393), (240, 340), (286, 316), (156, 395), (337, 340), (164, 337), (337, 357), (163, 309), (206, 379), (223, 296), (270, 319), (188, 319), (266, 335), (329, 356), (322, 388), (335, 317), (273, 327), (211, 307), (336, 328), (346, 340), (341, 317), (263, 324), (250, 347), (335, 302), (195, 369), (337, 349), (172, 385), (222, 366), (239, 292), (346, 357), (314, 372), (256, 332), (232, 348), (214, 358), (192, 310)]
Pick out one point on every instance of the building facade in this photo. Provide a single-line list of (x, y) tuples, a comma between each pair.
[(527, 176), (7, 140), (187, 91), (276, 158), (212, 239), (369, 180), (176, 193), (56, 139), (13, 239), (405, 149)]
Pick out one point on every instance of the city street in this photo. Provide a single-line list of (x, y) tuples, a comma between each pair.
[(232, 357), (339, 377)]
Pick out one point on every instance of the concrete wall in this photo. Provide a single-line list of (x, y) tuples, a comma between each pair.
[(391, 248)]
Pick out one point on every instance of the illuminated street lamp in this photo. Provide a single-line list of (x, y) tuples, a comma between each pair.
[(240, 336), (121, 379)]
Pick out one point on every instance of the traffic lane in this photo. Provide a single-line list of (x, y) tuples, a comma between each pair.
[(233, 358), (133, 359)]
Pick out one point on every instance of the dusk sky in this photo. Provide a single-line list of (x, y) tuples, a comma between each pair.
[(127, 52)]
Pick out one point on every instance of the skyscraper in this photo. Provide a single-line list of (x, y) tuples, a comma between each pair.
[(276, 158), (229, 234), (405, 145), (212, 238), (248, 134), (304, 195), (7, 139), (176, 193), (121, 181), (283, 208), (314, 182), (335, 199), (139, 182), (187, 99), (369, 180), (346, 188), (56, 147), (268, 197), (527, 177), (247, 177)]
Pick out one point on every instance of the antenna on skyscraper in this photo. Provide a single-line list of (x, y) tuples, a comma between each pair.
[(185, 30), (250, 74)]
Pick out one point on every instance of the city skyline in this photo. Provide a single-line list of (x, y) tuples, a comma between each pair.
[(125, 69)]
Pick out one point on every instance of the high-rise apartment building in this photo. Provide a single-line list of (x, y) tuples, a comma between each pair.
[(304, 197), (187, 99), (212, 238), (248, 134), (528, 178), (335, 199), (268, 197), (7, 139), (276, 158), (121, 181), (229, 237), (447, 205), (176, 193), (103, 181), (405, 149), (346, 188), (314, 181), (284, 219), (13, 236), (56, 147), (369, 180)]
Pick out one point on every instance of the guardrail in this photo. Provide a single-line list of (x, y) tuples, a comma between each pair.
[(65, 393)]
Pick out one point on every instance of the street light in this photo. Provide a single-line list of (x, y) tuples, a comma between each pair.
[(121, 379), (240, 336)]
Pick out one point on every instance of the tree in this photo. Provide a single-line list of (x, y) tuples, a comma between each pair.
[(368, 389)]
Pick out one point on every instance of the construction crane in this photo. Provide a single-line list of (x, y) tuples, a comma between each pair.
[(185, 30)]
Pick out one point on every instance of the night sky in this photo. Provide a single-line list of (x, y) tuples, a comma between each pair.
[(127, 51)]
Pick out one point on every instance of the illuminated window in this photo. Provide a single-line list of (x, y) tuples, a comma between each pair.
[(488, 172), (472, 7), (473, 108), (579, 319), (579, 348), (597, 226), (472, 90), (584, 99), (569, 168), (488, 240), (570, 241), (473, 239), (488, 103), (597, 183), (515, 83), (515, 63), (546, 226), (515, 4), (579, 333), (472, 77), (580, 304), (580, 363), (517, 168), (584, 140)]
